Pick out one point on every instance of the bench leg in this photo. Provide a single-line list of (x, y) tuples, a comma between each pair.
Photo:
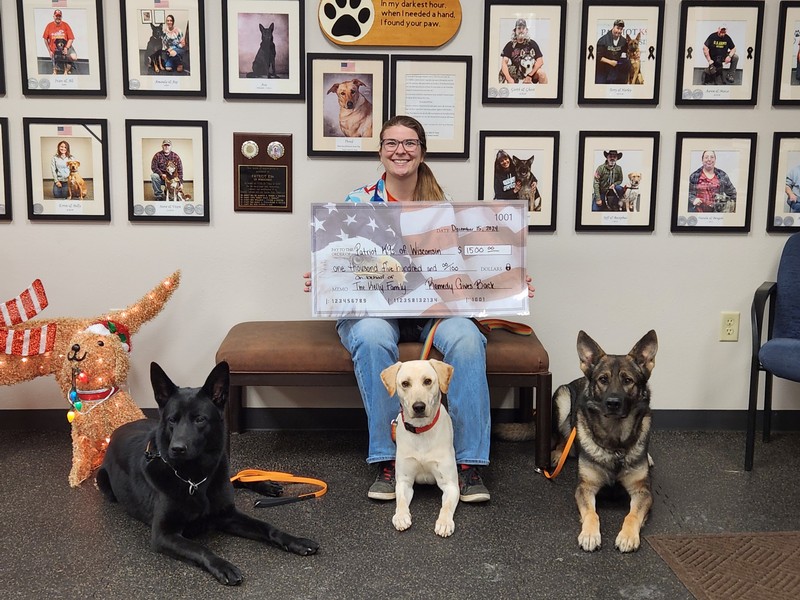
[(543, 421), (233, 410)]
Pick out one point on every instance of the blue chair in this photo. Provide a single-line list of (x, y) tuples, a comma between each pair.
[(779, 354)]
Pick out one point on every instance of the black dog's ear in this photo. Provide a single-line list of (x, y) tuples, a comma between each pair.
[(588, 352), (163, 387), (216, 385), (644, 352)]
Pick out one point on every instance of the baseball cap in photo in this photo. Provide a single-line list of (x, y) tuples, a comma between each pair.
[(56, 13), (166, 143), (619, 23), (521, 23)]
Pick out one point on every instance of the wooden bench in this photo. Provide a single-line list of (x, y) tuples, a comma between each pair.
[(309, 353)]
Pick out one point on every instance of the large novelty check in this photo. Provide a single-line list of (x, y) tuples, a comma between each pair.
[(432, 259)]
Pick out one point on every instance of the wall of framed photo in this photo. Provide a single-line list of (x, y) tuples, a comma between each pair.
[(613, 273)]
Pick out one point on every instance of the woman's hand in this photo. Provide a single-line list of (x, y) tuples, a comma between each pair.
[(529, 281), (307, 283)]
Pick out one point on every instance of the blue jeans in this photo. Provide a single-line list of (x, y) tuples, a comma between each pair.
[(60, 192), (157, 182), (372, 342)]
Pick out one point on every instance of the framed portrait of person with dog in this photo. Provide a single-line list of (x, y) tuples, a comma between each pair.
[(523, 48), (713, 186), (5, 189), (66, 161), (786, 87), (719, 52), (621, 45), (61, 48), (167, 170), (163, 48), (783, 208), (617, 181), (418, 79), (347, 103), (262, 50), (521, 165)]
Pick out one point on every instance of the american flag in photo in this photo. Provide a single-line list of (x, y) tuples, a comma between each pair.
[(64, 130), (58, 3), (161, 3), (347, 67)]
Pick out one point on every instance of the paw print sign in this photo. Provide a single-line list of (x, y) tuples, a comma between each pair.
[(389, 22)]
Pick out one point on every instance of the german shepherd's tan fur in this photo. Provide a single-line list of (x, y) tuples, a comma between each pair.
[(610, 407)]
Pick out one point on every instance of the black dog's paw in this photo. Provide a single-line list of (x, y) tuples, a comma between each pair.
[(302, 546), (225, 572), (346, 20)]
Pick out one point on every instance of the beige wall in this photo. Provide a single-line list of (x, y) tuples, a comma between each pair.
[(248, 266)]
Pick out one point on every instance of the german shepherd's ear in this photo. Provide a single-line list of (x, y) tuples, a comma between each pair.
[(389, 378), (644, 352), (589, 353), (217, 383), (163, 387), (444, 372)]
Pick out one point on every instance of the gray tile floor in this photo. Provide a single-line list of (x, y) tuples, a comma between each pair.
[(58, 542)]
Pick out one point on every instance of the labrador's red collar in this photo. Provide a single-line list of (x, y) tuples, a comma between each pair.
[(425, 428)]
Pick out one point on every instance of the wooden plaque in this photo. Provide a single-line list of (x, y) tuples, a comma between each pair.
[(262, 172)]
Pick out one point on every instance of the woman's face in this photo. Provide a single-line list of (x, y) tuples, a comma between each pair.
[(170, 22), (401, 162), (62, 148), (505, 162), (709, 160)]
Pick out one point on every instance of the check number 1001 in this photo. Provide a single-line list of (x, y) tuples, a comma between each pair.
[(488, 250)]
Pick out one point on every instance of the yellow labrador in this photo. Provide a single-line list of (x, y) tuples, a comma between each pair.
[(355, 111), (425, 451)]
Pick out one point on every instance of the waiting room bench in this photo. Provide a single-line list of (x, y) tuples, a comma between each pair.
[(309, 353)]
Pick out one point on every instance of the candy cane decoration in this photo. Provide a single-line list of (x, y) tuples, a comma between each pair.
[(26, 342)]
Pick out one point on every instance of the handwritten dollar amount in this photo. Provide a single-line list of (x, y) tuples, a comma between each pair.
[(498, 250)]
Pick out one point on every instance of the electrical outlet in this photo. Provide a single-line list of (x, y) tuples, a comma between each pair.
[(729, 327)]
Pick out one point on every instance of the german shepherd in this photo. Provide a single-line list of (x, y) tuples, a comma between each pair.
[(264, 61), (173, 474), (610, 407), (528, 190)]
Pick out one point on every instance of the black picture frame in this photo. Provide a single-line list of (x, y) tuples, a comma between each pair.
[(734, 155), (536, 152), (6, 212), (148, 70), (418, 78), (783, 216), (2, 62), (700, 19), (630, 204), (85, 75), (189, 140), (324, 72), (243, 22), (786, 84), (547, 19), (84, 193), (638, 81)]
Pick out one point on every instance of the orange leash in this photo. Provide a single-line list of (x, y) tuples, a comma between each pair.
[(564, 455), (253, 475)]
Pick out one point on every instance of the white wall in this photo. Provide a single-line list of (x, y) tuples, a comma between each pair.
[(248, 266)]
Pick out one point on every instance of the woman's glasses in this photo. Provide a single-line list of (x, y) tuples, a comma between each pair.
[(409, 145)]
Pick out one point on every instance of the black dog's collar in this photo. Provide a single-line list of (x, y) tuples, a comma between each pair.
[(150, 455)]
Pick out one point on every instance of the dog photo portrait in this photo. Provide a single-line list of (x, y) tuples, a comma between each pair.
[(784, 186), (617, 177), (721, 56), (521, 165), (167, 170), (60, 47), (67, 163), (163, 49), (523, 52), (713, 182), (621, 49)]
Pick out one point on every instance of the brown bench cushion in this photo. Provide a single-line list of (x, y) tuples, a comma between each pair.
[(314, 347)]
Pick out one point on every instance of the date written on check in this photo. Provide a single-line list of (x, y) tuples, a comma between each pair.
[(411, 259)]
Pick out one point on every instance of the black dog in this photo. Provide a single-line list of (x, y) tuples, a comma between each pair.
[(173, 474), (154, 55), (61, 61), (264, 62)]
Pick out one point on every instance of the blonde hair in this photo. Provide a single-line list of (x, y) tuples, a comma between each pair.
[(427, 187)]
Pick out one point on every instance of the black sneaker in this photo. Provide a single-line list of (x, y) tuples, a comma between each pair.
[(471, 485), (383, 488)]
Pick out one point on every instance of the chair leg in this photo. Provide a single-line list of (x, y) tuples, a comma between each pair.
[(544, 416), (752, 407), (767, 424)]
